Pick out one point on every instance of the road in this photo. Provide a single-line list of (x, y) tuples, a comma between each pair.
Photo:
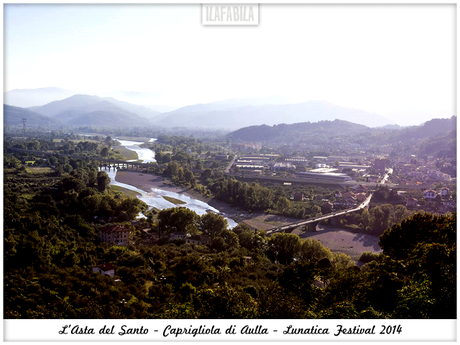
[(320, 218), (360, 207)]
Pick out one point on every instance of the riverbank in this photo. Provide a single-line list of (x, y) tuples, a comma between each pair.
[(343, 241), (336, 239), (146, 182)]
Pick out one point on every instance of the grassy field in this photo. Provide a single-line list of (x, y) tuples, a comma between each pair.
[(125, 191), (39, 170), (174, 200), (127, 154)]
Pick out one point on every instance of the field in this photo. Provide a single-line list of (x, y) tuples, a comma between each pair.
[(174, 200), (338, 240), (39, 170), (343, 241), (127, 154), (125, 191)]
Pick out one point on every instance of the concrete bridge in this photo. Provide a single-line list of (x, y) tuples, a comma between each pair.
[(311, 223), (103, 162)]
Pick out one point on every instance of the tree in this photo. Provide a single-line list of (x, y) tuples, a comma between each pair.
[(313, 249), (103, 181), (178, 219), (282, 205), (283, 247), (212, 224), (299, 278), (104, 151), (401, 239)]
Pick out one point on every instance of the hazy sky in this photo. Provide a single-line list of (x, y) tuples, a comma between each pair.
[(394, 60)]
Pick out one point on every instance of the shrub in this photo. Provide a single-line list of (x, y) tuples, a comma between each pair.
[(367, 257)]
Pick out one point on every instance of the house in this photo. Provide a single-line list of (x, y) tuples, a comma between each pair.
[(411, 203), (221, 157), (429, 194), (114, 233), (360, 188), (349, 197), (177, 236), (198, 239), (105, 269), (360, 197), (445, 192)]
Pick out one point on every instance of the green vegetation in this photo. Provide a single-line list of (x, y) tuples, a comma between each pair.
[(40, 170), (51, 244), (174, 200), (126, 155), (127, 192)]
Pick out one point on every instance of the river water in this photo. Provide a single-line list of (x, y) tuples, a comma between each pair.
[(154, 198)]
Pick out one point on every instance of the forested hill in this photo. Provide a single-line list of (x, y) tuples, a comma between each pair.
[(13, 117), (428, 129), (292, 131), (326, 129)]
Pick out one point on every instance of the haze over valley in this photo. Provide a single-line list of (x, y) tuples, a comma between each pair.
[(78, 110)]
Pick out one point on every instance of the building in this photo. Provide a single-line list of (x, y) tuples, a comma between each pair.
[(360, 197), (297, 160), (114, 233), (177, 236), (360, 189), (325, 176), (198, 239), (283, 166), (221, 157), (429, 194), (350, 167), (445, 192), (105, 269), (380, 164)]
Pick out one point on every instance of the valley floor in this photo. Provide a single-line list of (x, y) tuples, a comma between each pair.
[(336, 239)]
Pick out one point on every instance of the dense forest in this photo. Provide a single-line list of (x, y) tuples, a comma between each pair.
[(51, 244)]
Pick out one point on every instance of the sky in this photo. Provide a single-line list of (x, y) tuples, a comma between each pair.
[(397, 61)]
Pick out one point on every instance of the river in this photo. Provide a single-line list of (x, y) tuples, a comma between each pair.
[(154, 198)]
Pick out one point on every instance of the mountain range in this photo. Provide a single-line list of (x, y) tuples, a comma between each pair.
[(309, 131), (228, 115), (26, 98), (233, 115), (13, 118)]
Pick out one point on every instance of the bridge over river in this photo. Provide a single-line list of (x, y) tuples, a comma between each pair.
[(103, 162), (312, 222)]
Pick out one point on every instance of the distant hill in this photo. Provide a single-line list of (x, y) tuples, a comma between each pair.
[(219, 115), (27, 98), (428, 129), (140, 110), (103, 118), (75, 110), (290, 132), (12, 117)]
